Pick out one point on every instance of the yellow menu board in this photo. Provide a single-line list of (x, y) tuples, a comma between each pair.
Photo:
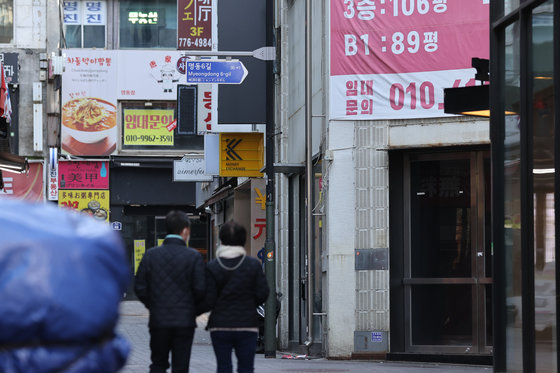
[(139, 251)]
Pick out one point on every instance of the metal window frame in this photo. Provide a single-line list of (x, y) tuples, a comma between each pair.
[(498, 23)]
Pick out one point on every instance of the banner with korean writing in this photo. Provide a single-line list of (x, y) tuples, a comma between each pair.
[(92, 202), (83, 175), (85, 12), (392, 59), (89, 102), (258, 217), (147, 127), (29, 187), (197, 25), (11, 67), (139, 251)]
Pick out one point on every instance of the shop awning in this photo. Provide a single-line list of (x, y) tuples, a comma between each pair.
[(218, 196)]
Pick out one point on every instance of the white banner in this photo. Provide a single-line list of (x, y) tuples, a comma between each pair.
[(410, 95)]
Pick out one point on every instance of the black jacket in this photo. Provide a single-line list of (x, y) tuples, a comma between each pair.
[(170, 282), (233, 296)]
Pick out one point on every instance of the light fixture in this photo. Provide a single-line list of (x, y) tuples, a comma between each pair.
[(473, 100), (13, 163)]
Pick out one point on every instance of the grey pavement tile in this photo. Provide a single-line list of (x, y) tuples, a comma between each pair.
[(133, 325)]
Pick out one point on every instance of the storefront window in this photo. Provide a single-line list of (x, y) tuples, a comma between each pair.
[(6, 21), (510, 5), (512, 199), (148, 24), (152, 128), (85, 24), (543, 188)]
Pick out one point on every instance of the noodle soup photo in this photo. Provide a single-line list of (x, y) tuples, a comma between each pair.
[(89, 119)]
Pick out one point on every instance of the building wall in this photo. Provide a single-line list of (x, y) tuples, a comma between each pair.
[(282, 156), (30, 39), (371, 166), (339, 188)]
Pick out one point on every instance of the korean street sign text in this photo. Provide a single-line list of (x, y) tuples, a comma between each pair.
[(215, 71)]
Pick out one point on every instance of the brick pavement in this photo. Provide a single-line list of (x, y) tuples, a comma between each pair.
[(133, 325)]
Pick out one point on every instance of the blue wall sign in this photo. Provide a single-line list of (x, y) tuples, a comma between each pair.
[(215, 71)]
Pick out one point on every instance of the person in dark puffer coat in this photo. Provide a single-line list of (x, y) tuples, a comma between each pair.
[(170, 282), (236, 285)]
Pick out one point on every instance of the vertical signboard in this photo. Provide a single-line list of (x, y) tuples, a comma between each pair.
[(392, 59), (186, 109), (207, 111), (139, 251), (10, 62), (89, 103), (258, 215), (196, 25)]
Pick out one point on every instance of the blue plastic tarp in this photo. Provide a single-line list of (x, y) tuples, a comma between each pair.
[(62, 276)]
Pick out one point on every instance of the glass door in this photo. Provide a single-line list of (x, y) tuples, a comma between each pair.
[(448, 258)]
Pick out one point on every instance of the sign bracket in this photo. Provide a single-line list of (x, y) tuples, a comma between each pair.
[(263, 53)]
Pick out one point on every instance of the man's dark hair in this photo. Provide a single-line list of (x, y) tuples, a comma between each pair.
[(233, 234), (176, 221)]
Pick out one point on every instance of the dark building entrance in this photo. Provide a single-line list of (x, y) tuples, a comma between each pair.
[(441, 264)]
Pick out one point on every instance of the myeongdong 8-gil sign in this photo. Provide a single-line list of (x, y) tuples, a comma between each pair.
[(391, 59)]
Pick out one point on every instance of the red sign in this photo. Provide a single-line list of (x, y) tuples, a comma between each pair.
[(194, 20), (83, 175), (25, 186)]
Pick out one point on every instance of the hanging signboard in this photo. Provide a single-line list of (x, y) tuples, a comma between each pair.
[(83, 175), (148, 127), (392, 59), (92, 202), (190, 169), (241, 154), (197, 25)]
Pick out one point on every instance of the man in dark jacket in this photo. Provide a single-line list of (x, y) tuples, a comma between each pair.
[(170, 281)]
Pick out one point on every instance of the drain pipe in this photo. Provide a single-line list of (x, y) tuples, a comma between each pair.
[(309, 171)]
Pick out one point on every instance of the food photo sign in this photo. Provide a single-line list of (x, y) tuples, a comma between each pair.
[(391, 59), (89, 103)]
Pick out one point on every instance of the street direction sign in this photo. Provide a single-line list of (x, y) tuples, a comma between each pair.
[(215, 71)]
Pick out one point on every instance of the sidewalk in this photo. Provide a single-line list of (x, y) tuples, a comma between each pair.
[(134, 326)]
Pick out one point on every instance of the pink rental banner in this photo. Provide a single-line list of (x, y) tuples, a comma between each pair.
[(391, 59)]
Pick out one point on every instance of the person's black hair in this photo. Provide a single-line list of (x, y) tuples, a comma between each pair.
[(233, 234), (176, 221)]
